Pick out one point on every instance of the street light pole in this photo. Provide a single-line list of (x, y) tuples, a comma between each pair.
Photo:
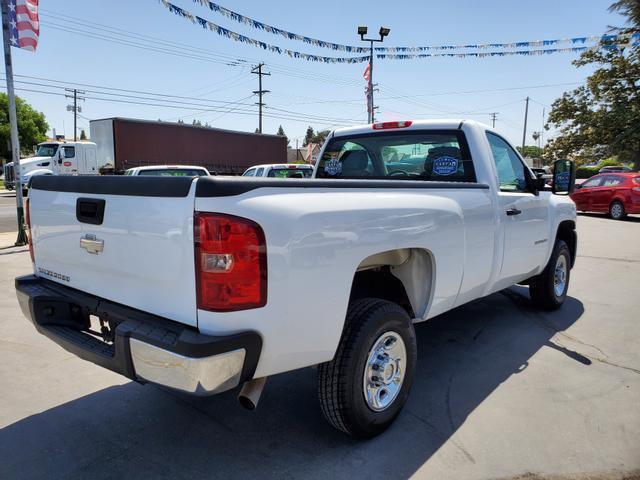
[(362, 31)]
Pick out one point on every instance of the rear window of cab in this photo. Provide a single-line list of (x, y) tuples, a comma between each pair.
[(428, 155)]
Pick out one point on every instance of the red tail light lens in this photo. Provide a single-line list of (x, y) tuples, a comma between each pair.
[(389, 125), (231, 263), (27, 219)]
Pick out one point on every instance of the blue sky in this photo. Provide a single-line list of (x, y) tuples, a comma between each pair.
[(319, 95)]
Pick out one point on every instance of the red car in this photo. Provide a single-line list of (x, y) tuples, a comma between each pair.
[(615, 193)]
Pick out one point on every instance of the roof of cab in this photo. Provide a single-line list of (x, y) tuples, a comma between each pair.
[(446, 124)]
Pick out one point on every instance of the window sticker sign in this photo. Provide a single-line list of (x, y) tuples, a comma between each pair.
[(333, 166), (445, 166)]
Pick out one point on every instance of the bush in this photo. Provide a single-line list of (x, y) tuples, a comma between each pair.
[(587, 172)]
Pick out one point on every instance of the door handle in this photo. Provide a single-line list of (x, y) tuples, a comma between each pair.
[(513, 211)]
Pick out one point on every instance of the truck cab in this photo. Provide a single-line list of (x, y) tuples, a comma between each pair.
[(55, 158)]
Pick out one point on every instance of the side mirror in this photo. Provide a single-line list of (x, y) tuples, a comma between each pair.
[(564, 177), (61, 155)]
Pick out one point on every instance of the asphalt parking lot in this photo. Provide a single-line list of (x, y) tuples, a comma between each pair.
[(501, 391)]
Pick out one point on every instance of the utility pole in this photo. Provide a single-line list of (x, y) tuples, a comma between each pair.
[(258, 71), (75, 109), (13, 120), (524, 132), (362, 31), (494, 116)]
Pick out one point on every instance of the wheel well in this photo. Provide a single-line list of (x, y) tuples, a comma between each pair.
[(403, 276), (380, 283), (567, 233)]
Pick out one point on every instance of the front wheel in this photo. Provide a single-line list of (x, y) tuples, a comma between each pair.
[(364, 387), (548, 290), (616, 210)]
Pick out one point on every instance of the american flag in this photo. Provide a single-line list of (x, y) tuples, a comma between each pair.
[(367, 73), (24, 24)]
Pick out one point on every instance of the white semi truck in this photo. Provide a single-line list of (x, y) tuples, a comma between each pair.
[(55, 158)]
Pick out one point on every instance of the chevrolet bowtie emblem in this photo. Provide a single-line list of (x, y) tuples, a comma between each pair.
[(91, 244)]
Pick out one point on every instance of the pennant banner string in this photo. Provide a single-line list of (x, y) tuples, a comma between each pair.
[(204, 23), (237, 17), (405, 55)]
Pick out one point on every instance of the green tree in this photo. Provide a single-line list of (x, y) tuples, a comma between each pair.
[(282, 134), (601, 118), (83, 135), (308, 137), (32, 127), (530, 151), (320, 137)]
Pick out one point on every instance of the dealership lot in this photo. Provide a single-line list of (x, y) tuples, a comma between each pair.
[(501, 391)]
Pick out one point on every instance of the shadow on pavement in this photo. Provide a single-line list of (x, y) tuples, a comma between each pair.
[(628, 218), (135, 431)]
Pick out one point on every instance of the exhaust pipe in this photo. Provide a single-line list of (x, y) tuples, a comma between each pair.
[(249, 395)]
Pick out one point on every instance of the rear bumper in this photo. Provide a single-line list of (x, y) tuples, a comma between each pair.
[(143, 347)]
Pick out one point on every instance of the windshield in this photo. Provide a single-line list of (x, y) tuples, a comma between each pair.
[(417, 155), (173, 172), (47, 150), (290, 172)]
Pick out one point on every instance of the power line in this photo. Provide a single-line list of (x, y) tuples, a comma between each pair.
[(292, 117), (202, 54)]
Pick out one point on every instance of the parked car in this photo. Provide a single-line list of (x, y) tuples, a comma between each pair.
[(168, 171), (545, 173), (205, 287), (614, 169), (617, 194), (280, 170)]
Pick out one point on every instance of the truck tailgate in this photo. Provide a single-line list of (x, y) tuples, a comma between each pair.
[(139, 254)]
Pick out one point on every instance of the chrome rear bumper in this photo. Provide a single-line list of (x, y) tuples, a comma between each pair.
[(143, 347)]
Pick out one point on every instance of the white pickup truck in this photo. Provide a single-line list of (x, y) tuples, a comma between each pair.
[(206, 284)]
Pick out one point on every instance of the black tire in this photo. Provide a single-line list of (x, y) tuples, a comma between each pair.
[(542, 287), (616, 210), (340, 381)]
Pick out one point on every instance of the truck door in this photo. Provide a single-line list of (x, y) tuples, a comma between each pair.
[(90, 161), (523, 215), (69, 164)]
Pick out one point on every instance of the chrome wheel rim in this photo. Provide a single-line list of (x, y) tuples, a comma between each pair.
[(560, 276), (384, 371), (616, 210)]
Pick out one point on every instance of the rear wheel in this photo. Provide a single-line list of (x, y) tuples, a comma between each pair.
[(364, 387), (548, 290), (616, 210)]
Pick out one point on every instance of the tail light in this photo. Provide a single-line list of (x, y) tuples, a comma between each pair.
[(27, 219), (389, 125), (231, 263)]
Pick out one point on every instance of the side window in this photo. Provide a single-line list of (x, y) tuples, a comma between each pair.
[(511, 171), (594, 182), (69, 152), (249, 173), (611, 181), (259, 172)]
